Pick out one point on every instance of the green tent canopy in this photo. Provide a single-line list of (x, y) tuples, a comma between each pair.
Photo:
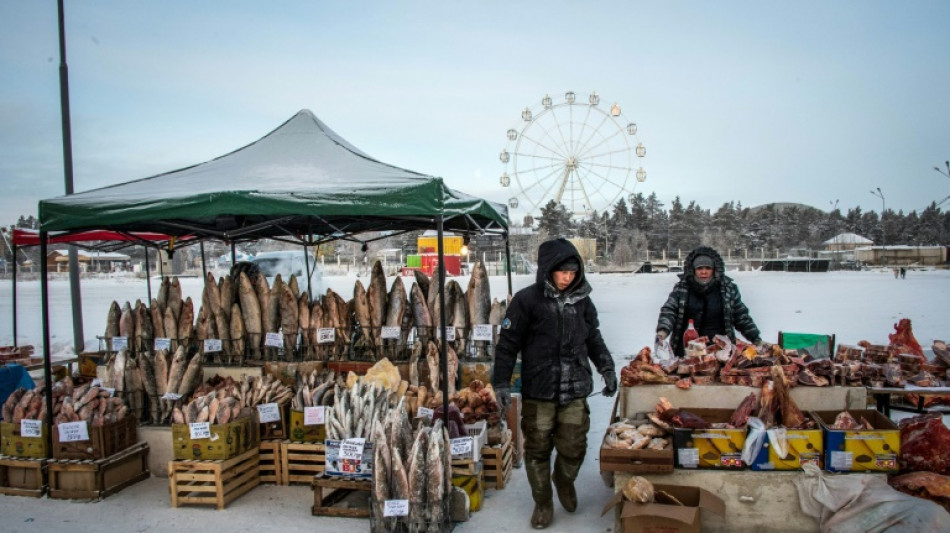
[(300, 180)]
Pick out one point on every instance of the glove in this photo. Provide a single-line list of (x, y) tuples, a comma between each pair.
[(661, 335), (759, 343), (503, 395), (610, 378)]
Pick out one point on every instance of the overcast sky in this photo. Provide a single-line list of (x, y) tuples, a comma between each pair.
[(756, 102)]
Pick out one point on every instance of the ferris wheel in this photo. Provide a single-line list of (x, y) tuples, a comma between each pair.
[(578, 153)]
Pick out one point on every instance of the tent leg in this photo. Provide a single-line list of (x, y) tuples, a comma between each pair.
[(14, 296), (47, 365), (508, 261), (148, 277), (443, 352)]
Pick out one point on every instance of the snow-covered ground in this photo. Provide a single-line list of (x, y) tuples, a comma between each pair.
[(853, 305)]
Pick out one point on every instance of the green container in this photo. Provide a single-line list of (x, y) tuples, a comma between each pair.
[(414, 261)]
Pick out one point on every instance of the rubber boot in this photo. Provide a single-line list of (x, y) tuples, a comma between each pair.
[(543, 514), (565, 492)]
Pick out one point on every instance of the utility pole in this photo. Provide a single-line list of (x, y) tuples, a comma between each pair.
[(877, 192)]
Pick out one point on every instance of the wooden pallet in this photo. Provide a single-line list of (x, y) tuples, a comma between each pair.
[(300, 461), (497, 465), (329, 490), (71, 479), (213, 482), (22, 477), (271, 467)]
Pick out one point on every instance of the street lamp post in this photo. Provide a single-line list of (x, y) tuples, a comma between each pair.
[(877, 192)]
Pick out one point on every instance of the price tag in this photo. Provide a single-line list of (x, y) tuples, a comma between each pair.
[(96, 383), (326, 335), (268, 412), (450, 334), (274, 340), (212, 345), (482, 332), (842, 460), (314, 416), (171, 396), (163, 343), (396, 508), (111, 390), (200, 430), (689, 457), (425, 412), (390, 332), (352, 449), (73, 431), (462, 445), (120, 343), (31, 428)]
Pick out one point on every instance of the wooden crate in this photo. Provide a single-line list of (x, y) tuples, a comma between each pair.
[(96, 479), (213, 482), (271, 467), (278, 429), (104, 441), (327, 491), (498, 462), (300, 461), (22, 477)]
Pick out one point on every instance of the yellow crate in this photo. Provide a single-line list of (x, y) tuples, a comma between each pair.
[(12, 444)]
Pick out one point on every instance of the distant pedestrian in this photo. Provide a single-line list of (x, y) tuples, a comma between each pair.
[(903, 272), (897, 273)]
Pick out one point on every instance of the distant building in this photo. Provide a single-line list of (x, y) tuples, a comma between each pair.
[(58, 261), (902, 255), (846, 242)]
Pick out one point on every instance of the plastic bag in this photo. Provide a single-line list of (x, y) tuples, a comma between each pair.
[(662, 352), (778, 440), (754, 440)]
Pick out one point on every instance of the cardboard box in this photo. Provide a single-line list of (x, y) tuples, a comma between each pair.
[(12, 444), (337, 467), (873, 450), (226, 441), (636, 461), (301, 433), (709, 448), (804, 446), (660, 517)]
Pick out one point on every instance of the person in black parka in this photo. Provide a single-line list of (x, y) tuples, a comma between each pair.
[(710, 298), (553, 325)]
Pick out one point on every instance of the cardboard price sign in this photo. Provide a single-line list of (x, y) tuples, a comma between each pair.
[(73, 431), (482, 332), (120, 343), (450, 334), (31, 428), (200, 430), (462, 445), (425, 412), (171, 396), (274, 340), (396, 508), (326, 335), (352, 449), (390, 332), (314, 416), (162, 343), (268, 412), (212, 345)]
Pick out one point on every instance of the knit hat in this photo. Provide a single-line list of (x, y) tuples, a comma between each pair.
[(702, 261), (568, 265)]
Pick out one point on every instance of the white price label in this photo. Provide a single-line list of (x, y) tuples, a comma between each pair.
[(120, 343), (482, 332), (450, 334), (396, 508), (268, 412), (842, 460), (689, 457), (314, 416), (171, 396), (390, 332), (274, 340), (110, 390), (425, 412), (200, 430), (326, 335), (73, 431), (462, 445), (163, 343), (96, 383), (212, 345), (352, 449), (31, 428)]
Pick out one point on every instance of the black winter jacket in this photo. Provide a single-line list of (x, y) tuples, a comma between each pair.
[(557, 334), (735, 314)]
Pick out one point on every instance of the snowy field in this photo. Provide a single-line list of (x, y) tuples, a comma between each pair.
[(853, 305)]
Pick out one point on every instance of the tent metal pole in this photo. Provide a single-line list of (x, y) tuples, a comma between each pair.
[(47, 365), (233, 254), (306, 267), (148, 276), (14, 296), (204, 264), (443, 353), (508, 261)]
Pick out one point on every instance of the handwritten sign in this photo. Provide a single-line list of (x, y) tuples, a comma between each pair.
[(352, 449), (199, 430), (689, 457), (120, 343), (462, 445), (171, 396), (110, 390), (96, 383), (450, 334), (268, 412), (163, 343), (396, 508), (842, 460), (314, 416), (482, 332), (273, 340), (326, 335), (390, 332), (425, 412), (212, 345), (73, 431), (31, 428)]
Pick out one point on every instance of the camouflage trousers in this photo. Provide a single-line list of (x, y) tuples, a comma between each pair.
[(548, 426)]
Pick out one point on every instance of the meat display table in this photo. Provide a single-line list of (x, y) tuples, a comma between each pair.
[(755, 501), (884, 404)]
